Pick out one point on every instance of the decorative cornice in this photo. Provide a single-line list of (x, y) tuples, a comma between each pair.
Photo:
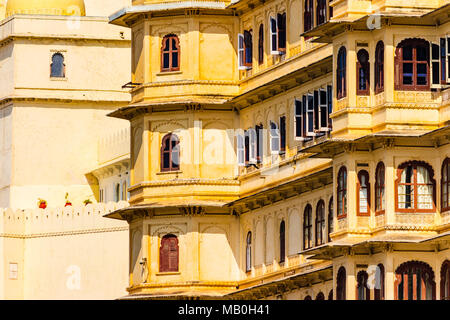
[(182, 182), (63, 233)]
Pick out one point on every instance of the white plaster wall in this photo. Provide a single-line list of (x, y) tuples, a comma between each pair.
[(55, 147), (64, 253)]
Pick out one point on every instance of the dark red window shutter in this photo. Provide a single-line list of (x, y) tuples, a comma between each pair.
[(168, 254)]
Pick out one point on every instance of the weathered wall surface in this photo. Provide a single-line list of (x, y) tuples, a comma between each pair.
[(63, 253)]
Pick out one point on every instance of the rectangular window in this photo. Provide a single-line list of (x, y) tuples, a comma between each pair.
[(273, 36), (330, 105), (281, 30), (240, 139), (241, 52), (298, 119), (316, 111), (304, 106), (283, 134), (274, 138), (259, 143), (247, 147), (310, 115), (323, 110), (448, 59), (435, 66), (443, 61), (252, 140)]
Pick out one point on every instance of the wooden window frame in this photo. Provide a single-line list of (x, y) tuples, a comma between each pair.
[(274, 136), (379, 67), (307, 226), (343, 190), (283, 137), (399, 62), (164, 260), (414, 184), (445, 184), (330, 218), (248, 252), (248, 48), (259, 142), (401, 276), (170, 52), (320, 223), (308, 15), (298, 120), (358, 199), (170, 152), (240, 149), (282, 241), (281, 32), (261, 44), (379, 187), (341, 73), (379, 293), (321, 12), (363, 66)]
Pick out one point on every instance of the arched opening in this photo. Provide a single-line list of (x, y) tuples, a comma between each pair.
[(414, 281)]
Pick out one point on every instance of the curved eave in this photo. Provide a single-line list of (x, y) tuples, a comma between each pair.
[(327, 31), (128, 13)]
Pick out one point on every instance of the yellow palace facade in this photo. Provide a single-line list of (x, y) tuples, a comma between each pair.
[(289, 149)]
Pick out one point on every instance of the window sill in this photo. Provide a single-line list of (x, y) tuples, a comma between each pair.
[(168, 172), (58, 79), (168, 73), (168, 273)]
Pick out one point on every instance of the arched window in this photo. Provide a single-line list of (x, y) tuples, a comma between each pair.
[(330, 295), (362, 287), (320, 223), (168, 254), (363, 196), (308, 15), (445, 185), (330, 219), (415, 187), (320, 296), (321, 12), (170, 53), (341, 74), (282, 241), (307, 227), (57, 68), (248, 48), (261, 44), (379, 67), (170, 153), (308, 298), (342, 193), (414, 281), (379, 282), (363, 73), (412, 65), (445, 280), (248, 250), (379, 189), (341, 284)]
